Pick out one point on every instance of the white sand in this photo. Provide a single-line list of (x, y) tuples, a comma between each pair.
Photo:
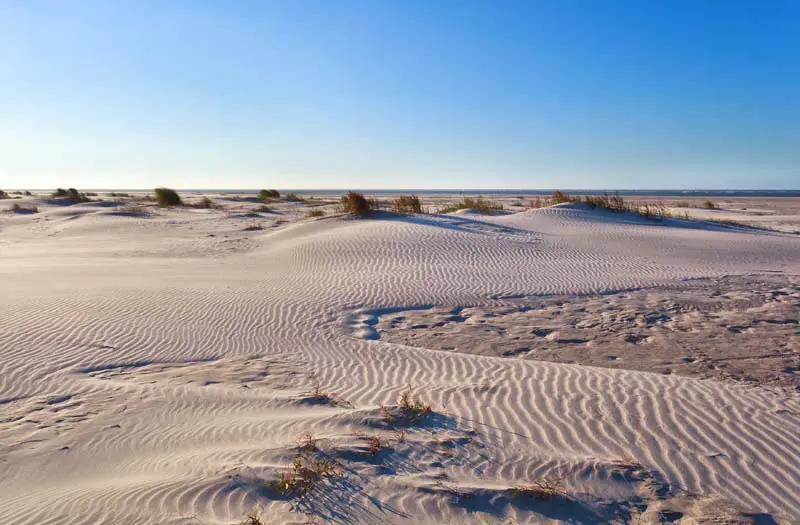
[(158, 368)]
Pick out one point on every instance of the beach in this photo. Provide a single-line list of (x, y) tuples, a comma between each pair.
[(561, 363)]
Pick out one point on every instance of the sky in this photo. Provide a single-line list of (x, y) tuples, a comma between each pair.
[(375, 94)]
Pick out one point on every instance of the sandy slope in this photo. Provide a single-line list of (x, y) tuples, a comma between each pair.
[(160, 367)]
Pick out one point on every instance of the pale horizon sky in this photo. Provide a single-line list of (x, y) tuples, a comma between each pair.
[(461, 94)]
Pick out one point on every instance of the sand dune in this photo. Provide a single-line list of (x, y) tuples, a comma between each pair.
[(159, 368)]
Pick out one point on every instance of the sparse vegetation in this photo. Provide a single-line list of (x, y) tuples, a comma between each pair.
[(293, 197), (167, 198), (407, 204), (374, 444), (682, 204), (71, 194), (479, 204), (252, 519), (315, 213), (542, 489), (206, 204), (119, 195), (265, 195), (356, 204), (305, 473), (408, 410), (560, 197), (264, 209), (27, 193), (709, 205), (307, 443), (4, 195)]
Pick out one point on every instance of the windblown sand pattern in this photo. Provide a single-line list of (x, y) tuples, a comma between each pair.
[(160, 367)]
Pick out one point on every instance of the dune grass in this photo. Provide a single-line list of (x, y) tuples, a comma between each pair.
[(356, 204), (315, 213), (167, 198), (265, 195), (479, 204), (407, 204), (72, 195)]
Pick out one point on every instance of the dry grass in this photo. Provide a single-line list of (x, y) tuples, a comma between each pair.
[(709, 205), (293, 197), (356, 204), (252, 519), (374, 444), (205, 204), (307, 443), (17, 208), (543, 489), (407, 204), (72, 195), (305, 473), (479, 204), (315, 213)]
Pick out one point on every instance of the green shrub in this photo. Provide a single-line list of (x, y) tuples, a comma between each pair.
[(269, 194), (407, 204), (356, 204), (166, 197)]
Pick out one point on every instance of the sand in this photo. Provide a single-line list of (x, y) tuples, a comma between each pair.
[(164, 365)]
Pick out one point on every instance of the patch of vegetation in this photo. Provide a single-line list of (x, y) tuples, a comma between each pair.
[(356, 204), (265, 195), (682, 204), (709, 205), (293, 197), (409, 410), (205, 204), (374, 444), (305, 473), (71, 194), (167, 198), (542, 489), (264, 209), (315, 213), (119, 195), (481, 205), (561, 197), (27, 193), (4, 195), (407, 204)]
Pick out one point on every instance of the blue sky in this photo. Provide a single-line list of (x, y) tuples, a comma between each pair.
[(400, 94)]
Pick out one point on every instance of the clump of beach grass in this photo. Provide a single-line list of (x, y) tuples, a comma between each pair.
[(407, 204), (356, 204), (167, 198), (542, 489), (315, 213), (479, 204), (265, 195)]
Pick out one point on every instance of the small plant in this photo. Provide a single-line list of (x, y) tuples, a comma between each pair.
[(293, 197), (315, 213), (166, 197), (264, 209), (305, 474), (407, 204), (414, 408), (542, 489), (709, 205), (307, 443), (536, 202), (119, 195), (356, 204), (269, 194), (27, 193), (374, 444), (252, 519), (205, 203)]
